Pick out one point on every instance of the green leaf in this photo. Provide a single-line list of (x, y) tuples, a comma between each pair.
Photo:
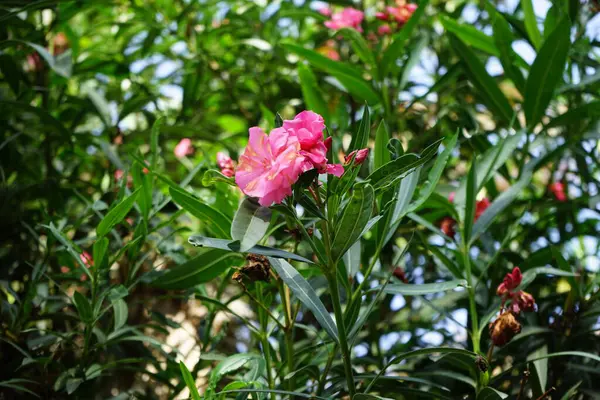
[(359, 44), (84, 308), (99, 254), (503, 39), (116, 214), (203, 268), (390, 173), (426, 288), (354, 218), (46, 120), (531, 24), (576, 115), (313, 96), (154, 141), (435, 173), (215, 220), (501, 202), (571, 392), (141, 181), (213, 176), (352, 259), (546, 72), (11, 72), (348, 76), (489, 393), (361, 139), (306, 294), (488, 89), (540, 378), (470, 204), (189, 381), (120, 313), (250, 223), (530, 274), (234, 245), (471, 36), (397, 46), (381, 154)]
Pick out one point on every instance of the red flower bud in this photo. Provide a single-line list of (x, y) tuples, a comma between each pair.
[(558, 189), (400, 274), (511, 281), (447, 226), (481, 206), (382, 16)]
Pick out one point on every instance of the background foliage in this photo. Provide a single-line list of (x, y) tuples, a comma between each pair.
[(89, 89)]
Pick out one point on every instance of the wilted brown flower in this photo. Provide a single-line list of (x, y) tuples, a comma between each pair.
[(504, 328), (257, 268)]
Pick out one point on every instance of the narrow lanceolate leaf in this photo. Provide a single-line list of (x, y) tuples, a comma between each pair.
[(189, 381), (426, 288), (531, 24), (488, 89), (154, 141), (350, 77), (546, 72), (84, 308), (500, 203), (354, 218), (361, 139), (313, 96), (397, 46), (381, 154), (250, 223), (359, 44), (503, 39), (234, 246), (470, 204), (116, 215), (489, 393), (216, 220), (471, 36), (397, 169), (435, 173), (575, 115), (200, 269), (306, 294), (100, 253), (120, 313)]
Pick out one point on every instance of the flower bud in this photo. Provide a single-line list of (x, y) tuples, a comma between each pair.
[(400, 274), (359, 156), (504, 328), (384, 30), (382, 16), (328, 143), (447, 226)]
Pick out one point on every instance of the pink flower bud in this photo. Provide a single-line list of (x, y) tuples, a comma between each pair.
[(359, 156), (384, 30), (328, 143), (382, 16)]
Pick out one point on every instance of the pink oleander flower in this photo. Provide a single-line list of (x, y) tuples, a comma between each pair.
[(348, 18), (399, 14), (308, 127), (451, 197), (86, 258), (226, 164), (384, 30), (184, 148), (270, 165)]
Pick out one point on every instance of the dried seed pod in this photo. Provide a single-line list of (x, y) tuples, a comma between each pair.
[(481, 364)]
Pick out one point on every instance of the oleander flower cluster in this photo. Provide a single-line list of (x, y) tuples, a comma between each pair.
[(271, 164)]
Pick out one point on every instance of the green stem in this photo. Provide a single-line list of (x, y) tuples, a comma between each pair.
[(339, 317), (288, 333), (264, 322), (326, 370), (472, 305)]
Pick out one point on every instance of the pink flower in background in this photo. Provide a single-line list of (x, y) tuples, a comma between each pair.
[(384, 30), (86, 258), (398, 14), (326, 11), (119, 174), (184, 148), (270, 165), (225, 164), (308, 127), (348, 18), (329, 51)]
